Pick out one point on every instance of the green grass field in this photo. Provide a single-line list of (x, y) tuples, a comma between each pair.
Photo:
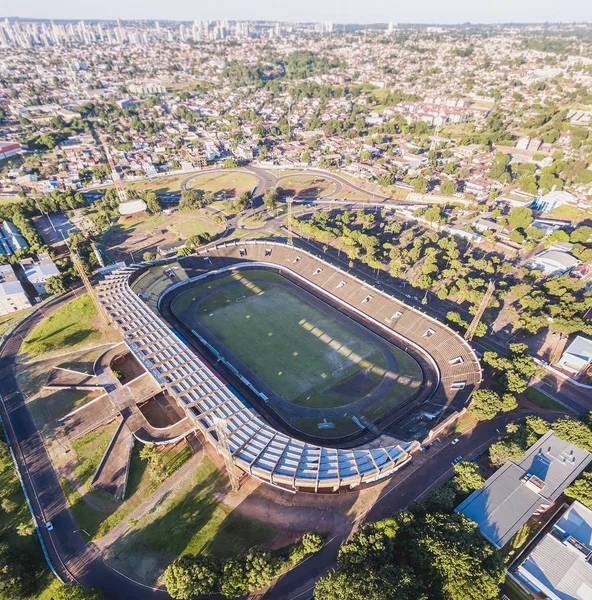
[(140, 483), (189, 226), (304, 354), (231, 183), (541, 399), (190, 520), (67, 327)]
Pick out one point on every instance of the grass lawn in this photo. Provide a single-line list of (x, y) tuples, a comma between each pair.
[(7, 320), (90, 449), (140, 487), (541, 399), (306, 186), (465, 422), (571, 213), (232, 183), (84, 362), (514, 591), (14, 512), (190, 521), (160, 185), (252, 222), (67, 327), (189, 226), (299, 351)]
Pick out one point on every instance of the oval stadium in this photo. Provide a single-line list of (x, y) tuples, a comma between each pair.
[(302, 375)]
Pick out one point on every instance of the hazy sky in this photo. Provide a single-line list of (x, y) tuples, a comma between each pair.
[(338, 11)]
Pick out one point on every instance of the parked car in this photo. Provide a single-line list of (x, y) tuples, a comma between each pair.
[(457, 460)]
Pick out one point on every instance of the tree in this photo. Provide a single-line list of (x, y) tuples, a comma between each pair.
[(230, 163), (25, 529), (520, 217), (9, 506), (270, 199), (466, 477), (485, 404), (72, 591), (152, 202), (509, 403), (148, 256), (233, 580), (305, 157), (450, 553), (55, 284), (17, 576), (420, 185), (574, 431), (432, 214), (581, 489), (260, 569), (581, 234), (312, 542), (448, 188), (191, 576), (388, 583)]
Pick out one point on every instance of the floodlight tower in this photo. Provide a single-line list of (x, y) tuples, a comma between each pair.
[(222, 433), (289, 200), (470, 332), (89, 288)]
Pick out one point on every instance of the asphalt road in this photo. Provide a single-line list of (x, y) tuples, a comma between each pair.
[(410, 484), (71, 555)]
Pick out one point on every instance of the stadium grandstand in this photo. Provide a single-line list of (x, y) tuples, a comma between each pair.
[(257, 447)]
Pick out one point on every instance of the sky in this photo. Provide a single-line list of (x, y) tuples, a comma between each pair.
[(337, 11)]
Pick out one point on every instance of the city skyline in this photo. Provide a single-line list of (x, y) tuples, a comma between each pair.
[(373, 11)]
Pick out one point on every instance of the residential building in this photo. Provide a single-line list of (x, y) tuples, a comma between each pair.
[(577, 356), (38, 270), (517, 491), (12, 295), (559, 566)]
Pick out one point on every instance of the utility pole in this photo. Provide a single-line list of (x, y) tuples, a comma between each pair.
[(289, 202), (223, 447), (114, 172), (470, 332)]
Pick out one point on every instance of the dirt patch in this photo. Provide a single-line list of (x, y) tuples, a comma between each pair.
[(161, 411), (127, 366)]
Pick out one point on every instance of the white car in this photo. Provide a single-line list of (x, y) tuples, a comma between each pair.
[(49, 526), (455, 441)]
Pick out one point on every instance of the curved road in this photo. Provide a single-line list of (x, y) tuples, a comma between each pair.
[(72, 556)]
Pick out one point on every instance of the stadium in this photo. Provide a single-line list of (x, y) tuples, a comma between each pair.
[(302, 375)]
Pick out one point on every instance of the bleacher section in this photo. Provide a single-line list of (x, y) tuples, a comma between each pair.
[(256, 447)]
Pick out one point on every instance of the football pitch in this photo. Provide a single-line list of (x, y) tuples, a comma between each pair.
[(310, 355)]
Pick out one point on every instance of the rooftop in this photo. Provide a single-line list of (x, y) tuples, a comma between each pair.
[(517, 490)]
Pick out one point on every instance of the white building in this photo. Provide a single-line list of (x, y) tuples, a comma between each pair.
[(12, 295), (554, 262), (552, 200), (132, 207), (11, 239), (577, 356), (38, 271)]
